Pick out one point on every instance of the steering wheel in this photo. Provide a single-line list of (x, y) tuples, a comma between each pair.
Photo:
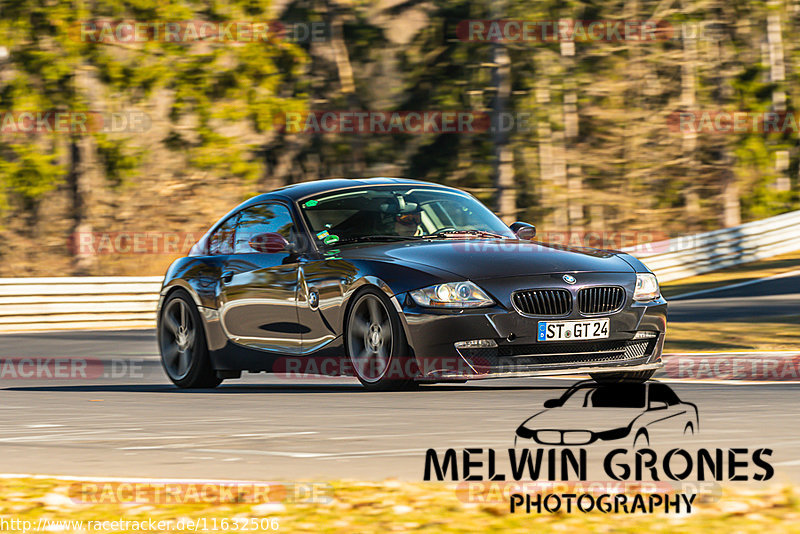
[(445, 229)]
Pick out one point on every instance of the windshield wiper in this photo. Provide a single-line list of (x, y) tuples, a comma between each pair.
[(366, 238), (480, 233)]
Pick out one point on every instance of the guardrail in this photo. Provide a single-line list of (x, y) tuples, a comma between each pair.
[(60, 303), (690, 255), (64, 303)]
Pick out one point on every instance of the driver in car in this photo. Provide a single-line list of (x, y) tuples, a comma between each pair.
[(407, 223)]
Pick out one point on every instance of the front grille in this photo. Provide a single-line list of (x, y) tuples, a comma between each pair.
[(559, 437), (543, 302), (602, 299)]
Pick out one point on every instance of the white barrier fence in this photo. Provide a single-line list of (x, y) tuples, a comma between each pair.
[(58, 303), (62, 303), (690, 255)]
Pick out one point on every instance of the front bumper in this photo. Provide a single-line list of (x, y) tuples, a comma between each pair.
[(432, 335)]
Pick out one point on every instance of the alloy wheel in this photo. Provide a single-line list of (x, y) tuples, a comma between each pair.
[(369, 338), (178, 338)]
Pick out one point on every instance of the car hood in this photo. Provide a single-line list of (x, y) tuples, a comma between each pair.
[(592, 419), (477, 259)]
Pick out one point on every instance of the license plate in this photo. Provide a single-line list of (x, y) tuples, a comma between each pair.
[(572, 330)]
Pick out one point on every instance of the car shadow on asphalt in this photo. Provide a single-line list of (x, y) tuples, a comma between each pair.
[(270, 388)]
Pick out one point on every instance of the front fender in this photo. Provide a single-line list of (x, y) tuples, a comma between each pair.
[(372, 281), (171, 285), (198, 277), (394, 280)]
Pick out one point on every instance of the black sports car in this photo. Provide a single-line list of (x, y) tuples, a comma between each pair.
[(400, 282)]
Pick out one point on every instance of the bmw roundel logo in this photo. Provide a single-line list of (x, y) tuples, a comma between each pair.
[(568, 278)]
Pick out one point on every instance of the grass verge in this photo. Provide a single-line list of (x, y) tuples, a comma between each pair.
[(410, 507), (755, 333)]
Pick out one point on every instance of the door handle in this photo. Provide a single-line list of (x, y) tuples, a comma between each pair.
[(227, 276)]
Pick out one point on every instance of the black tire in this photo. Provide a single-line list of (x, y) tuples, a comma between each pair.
[(182, 344), (376, 344), (617, 378)]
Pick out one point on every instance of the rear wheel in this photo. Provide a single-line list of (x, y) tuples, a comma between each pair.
[(182, 343), (376, 344), (616, 378)]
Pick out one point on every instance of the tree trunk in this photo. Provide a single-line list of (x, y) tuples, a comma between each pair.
[(82, 166), (731, 211), (574, 178), (777, 76), (346, 82), (544, 140), (503, 155), (79, 184), (633, 127), (729, 181), (552, 159), (689, 138)]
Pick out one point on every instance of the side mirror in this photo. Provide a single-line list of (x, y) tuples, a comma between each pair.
[(523, 230), (269, 243), (659, 405), (552, 403)]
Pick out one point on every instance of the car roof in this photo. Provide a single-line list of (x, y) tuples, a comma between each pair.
[(303, 189)]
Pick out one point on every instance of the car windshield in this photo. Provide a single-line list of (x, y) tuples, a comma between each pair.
[(398, 213)]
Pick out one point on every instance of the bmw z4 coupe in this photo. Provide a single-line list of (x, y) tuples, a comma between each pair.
[(399, 282)]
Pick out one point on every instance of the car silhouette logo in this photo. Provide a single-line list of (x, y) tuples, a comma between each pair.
[(588, 412), (568, 278)]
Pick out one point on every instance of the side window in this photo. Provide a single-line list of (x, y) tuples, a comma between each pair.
[(221, 241), (662, 393), (261, 219)]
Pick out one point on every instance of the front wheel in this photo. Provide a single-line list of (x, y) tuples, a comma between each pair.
[(182, 343), (376, 344), (616, 378)]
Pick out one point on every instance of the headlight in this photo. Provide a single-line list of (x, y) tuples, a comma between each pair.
[(451, 295), (646, 287)]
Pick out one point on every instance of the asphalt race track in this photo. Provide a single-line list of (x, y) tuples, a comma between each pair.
[(126, 419)]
